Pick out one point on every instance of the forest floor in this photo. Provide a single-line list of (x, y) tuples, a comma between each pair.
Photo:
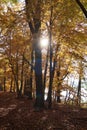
[(19, 114)]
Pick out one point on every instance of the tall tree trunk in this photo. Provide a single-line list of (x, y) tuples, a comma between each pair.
[(79, 91), (59, 84), (51, 55), (17, 78), (4, 83), (34, 11), (79, 82), (45, 70), (38, 76), (22, 74), (31, 76), (50, 80)]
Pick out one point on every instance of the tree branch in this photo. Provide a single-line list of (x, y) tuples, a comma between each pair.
[(82, 7), (29, 63), (31, 27), (64, 76)]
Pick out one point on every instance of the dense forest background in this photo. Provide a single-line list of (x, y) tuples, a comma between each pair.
[(53, 71)]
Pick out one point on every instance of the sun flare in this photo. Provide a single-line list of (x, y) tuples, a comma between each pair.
[(44, 42)]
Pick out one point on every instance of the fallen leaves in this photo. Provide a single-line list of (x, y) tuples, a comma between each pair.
[(20, 115)]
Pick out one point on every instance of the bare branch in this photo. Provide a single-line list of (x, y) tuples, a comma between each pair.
[(82, 7)]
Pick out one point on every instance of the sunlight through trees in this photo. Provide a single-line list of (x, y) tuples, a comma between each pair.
[(43, 45)]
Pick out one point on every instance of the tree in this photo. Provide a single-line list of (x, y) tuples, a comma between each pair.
[(33, 12), (14, 49)]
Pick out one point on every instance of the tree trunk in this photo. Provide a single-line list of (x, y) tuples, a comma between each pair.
[(4, 83), (51, 55), (22, 75), (50, 82), (59, 84), (16, 79), (45, 70), (58, 96), (38, 76), (11, 84), (31, 76), (79, 91), (34, 11)]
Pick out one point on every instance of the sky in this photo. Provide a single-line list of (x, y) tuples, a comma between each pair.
[(21, 0)]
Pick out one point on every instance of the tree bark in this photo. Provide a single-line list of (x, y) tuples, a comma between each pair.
[(38, 76)]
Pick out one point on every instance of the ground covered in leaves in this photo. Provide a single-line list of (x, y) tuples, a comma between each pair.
[(19, 114)]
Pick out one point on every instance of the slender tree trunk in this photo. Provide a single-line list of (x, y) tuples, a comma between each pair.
[(17, 79), (58, 96), (45, 71), (11, 84), (31, 77), (4, 79), (22, 75), (79, 83), (50, 82), (59, 84), (4, 83), (51, 55), (79, 91)]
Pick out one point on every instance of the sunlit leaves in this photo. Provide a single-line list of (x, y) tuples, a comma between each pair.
[(6, 1)]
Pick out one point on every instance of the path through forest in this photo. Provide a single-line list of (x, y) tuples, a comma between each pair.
[(19, 114)]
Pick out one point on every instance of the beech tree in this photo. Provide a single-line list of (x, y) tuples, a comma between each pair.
[(33, 12)]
